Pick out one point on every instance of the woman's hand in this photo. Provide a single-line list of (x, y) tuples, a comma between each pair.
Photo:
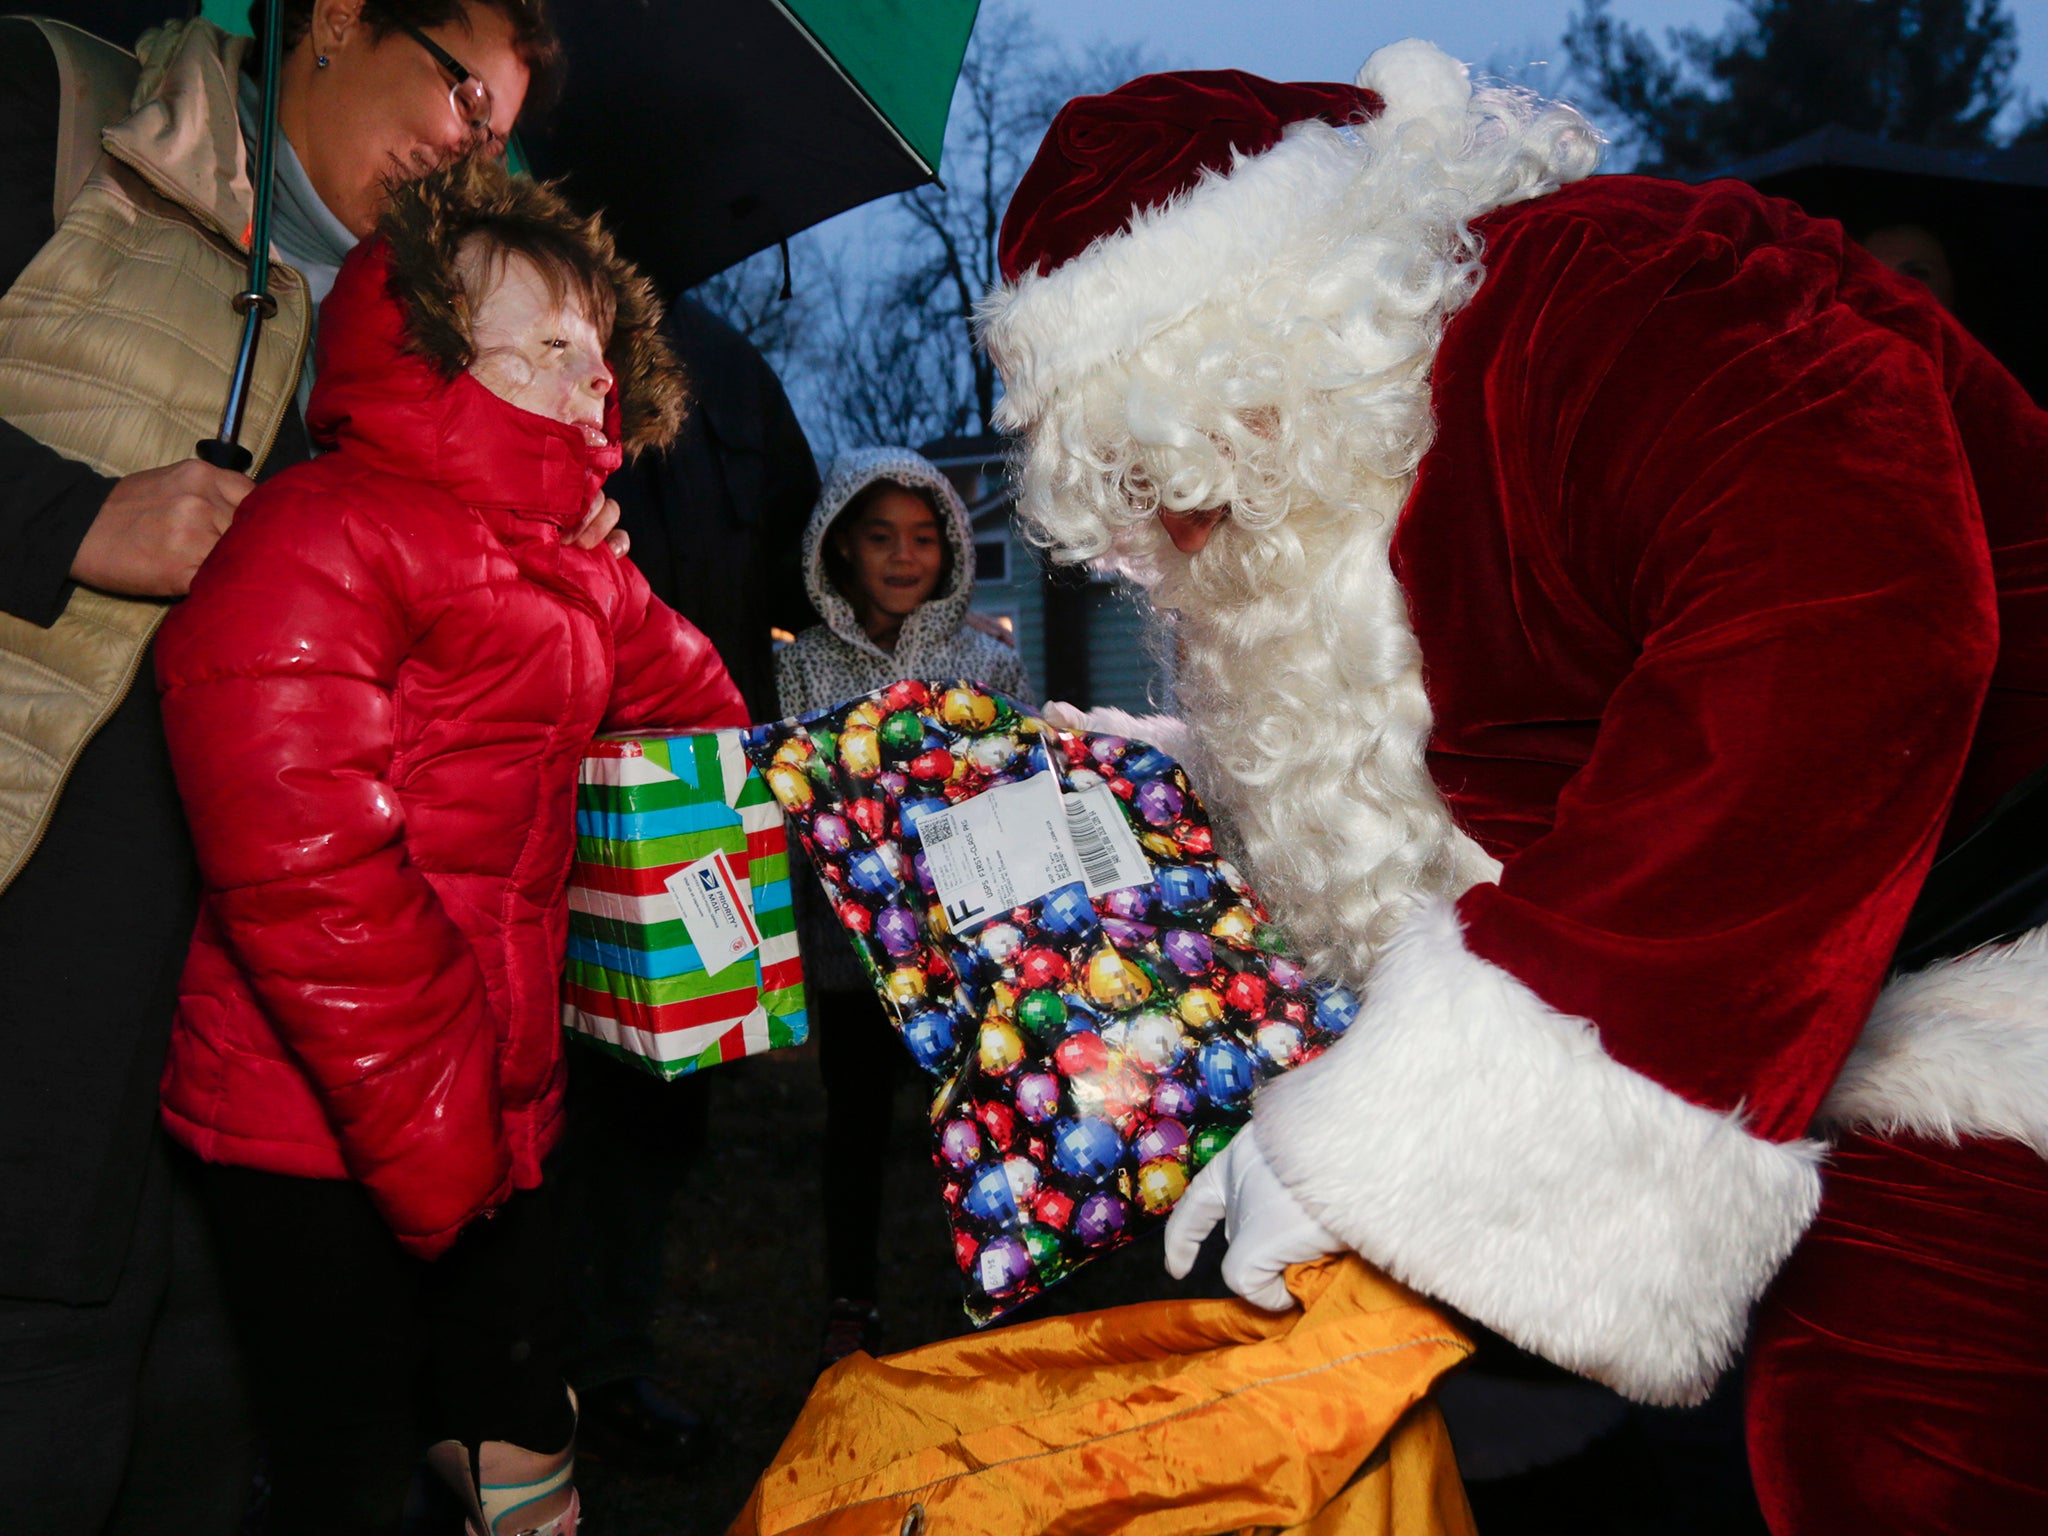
[(602, 527), (993, 628), (156, 528)]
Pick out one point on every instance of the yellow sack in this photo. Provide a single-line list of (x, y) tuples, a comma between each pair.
[(1175, 1418)]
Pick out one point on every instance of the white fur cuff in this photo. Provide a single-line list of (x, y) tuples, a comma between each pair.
[(1959, 1049), (1482, 1147)]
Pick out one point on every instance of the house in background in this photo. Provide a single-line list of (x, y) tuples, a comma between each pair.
[(1084, 637)]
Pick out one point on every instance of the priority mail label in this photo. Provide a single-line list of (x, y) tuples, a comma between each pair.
[(714, 912)]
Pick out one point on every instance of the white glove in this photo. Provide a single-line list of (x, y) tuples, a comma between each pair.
[(1063, 716), (1165, 732), (1267, 1228)]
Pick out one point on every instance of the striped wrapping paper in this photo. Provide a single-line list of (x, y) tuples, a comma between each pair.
[(646, 807)]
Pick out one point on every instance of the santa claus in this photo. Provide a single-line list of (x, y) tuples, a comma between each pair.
[(1597, 599)]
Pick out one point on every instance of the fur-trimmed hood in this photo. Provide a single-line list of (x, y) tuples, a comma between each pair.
[(425, 224), (392, 411)]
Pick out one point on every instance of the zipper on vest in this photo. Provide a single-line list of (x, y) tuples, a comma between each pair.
[(208, 220)]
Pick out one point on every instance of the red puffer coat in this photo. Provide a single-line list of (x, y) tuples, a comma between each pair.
[(376, 698)]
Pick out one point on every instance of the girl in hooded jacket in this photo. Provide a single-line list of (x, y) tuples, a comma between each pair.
[(376, 698), (889, 564)]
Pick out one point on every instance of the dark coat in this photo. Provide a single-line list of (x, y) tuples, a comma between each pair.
[(717, 521)]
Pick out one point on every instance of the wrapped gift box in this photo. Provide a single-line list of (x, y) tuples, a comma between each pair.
[(682, 946), (1095, 992)]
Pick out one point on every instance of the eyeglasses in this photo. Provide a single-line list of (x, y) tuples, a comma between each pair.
[(468, 95)]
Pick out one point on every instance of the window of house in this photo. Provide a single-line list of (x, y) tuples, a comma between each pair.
[(992, 559)]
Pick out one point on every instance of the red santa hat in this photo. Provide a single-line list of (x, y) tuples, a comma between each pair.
[(1174, 190)]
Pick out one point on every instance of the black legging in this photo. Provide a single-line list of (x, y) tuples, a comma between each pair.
[(863, 1063), (360, 1355)]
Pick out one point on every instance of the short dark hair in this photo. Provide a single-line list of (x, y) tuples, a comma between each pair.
[(533, 30)]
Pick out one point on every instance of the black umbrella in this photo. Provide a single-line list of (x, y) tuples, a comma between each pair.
[(225, 451), (710, 131), (707, 131)]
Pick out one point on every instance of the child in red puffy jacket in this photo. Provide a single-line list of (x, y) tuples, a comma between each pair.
[(376, 698)]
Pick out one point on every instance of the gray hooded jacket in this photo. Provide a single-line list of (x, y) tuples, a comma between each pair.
[(835, 661)]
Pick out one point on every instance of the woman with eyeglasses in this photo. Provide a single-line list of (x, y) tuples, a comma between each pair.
[(124, 201), (375, 92)]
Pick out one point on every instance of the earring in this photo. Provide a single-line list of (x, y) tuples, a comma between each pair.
[(319, 61)]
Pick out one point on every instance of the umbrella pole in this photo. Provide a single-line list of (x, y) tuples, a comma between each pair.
[(254, 304)]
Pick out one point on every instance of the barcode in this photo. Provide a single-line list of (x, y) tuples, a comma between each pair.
[(934, 829), (1091, 842)]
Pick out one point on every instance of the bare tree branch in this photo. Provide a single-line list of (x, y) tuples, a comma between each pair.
[(888, 354)]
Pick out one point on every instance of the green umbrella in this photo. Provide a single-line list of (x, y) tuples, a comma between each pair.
[(712, 129)]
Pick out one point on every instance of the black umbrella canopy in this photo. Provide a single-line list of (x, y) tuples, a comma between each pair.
[(709, 131), (118, 21), (1988, 207)]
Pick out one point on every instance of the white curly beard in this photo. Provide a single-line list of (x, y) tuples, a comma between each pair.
[(1301, 685), (1299, 399)]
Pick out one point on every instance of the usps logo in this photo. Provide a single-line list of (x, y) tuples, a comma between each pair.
[(715, 914)]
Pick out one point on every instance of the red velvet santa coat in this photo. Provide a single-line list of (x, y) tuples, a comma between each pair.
[(1706, 611), (1726, 533), (1727, 574), (376, 699)]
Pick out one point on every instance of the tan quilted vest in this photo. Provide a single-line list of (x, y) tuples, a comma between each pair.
[(115, 348)]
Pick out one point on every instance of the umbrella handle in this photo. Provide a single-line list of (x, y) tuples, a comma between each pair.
[(224, 455), (256, 304)]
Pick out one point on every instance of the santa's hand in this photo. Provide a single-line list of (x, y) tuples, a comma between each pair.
[(1165, 732), (1266, 1226)]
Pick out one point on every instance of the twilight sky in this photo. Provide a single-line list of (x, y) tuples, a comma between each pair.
[(1329, 39)]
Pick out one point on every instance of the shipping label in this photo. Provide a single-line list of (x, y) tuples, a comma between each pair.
[(715, 913), (1017, 842)]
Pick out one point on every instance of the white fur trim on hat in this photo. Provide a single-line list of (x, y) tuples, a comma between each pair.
[(1214, 240), (1218, 238), (1482, 1147), (1959, 1049)]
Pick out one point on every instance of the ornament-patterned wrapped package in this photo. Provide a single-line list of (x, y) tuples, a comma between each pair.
[(1046, 920), (682, 946)]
